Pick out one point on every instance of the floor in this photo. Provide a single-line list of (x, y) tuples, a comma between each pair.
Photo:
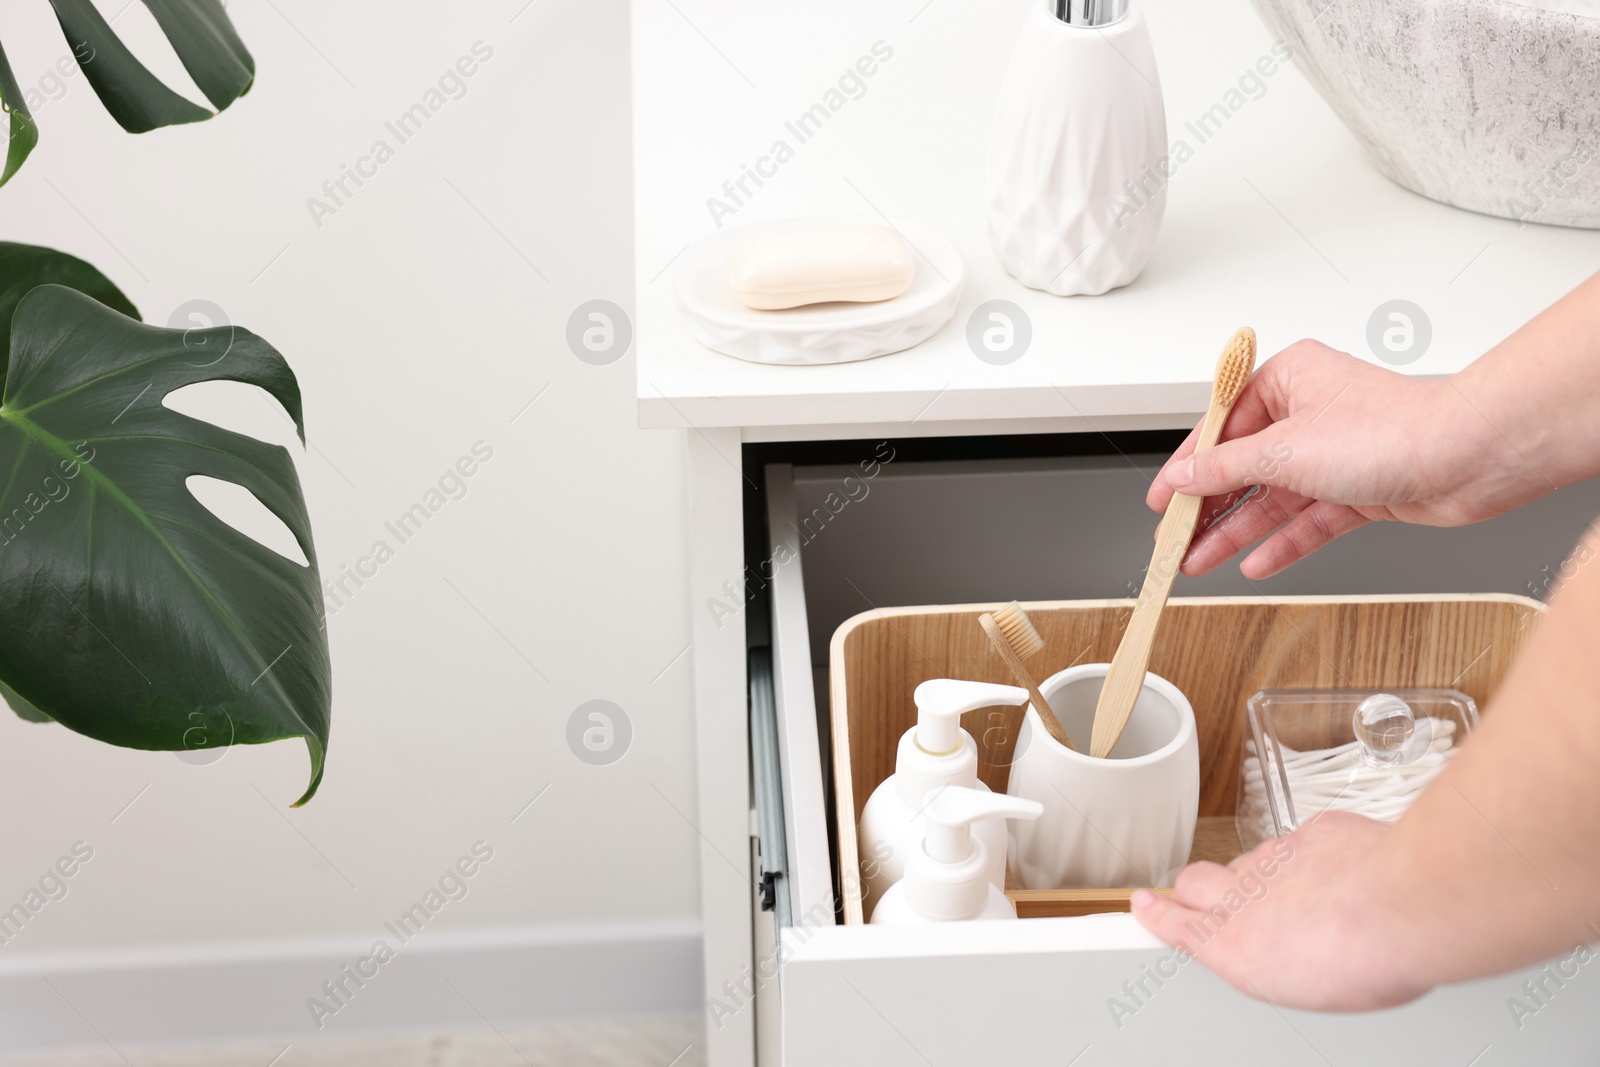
[(624, 1043)]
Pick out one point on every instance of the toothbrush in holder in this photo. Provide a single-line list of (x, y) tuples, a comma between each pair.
[(1125, 679), (1013, 635)]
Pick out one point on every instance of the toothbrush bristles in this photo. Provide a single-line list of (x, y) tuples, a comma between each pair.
[(1233, 369), (1019, 630)]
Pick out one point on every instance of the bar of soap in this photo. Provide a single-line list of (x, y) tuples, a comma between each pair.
[(809, 263)]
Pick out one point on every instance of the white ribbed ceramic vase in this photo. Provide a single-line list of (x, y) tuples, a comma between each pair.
[(1078, 155)]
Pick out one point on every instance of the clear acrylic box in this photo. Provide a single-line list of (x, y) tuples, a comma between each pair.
[(1369, 751)]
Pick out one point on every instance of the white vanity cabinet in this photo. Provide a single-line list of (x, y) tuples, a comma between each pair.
[(1023, 479)]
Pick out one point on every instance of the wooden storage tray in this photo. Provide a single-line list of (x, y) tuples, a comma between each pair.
[(1217, 650)]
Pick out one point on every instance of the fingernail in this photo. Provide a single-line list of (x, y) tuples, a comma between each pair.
[(1181, 473), (1141, 898)]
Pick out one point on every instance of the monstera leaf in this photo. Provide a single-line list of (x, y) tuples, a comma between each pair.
[(128, 611), (22, 134), (199, 32)]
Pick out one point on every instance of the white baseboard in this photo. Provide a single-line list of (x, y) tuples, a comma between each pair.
[(439, 979)]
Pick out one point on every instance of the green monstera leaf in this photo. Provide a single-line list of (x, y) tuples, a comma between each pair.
[(199, 32), (128, 611), (22, 267), (22, 133)]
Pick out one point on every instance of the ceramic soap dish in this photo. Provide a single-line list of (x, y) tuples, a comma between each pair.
[(835, 332)]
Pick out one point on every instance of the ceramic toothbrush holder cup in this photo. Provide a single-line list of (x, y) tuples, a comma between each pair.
[(1127, 820)]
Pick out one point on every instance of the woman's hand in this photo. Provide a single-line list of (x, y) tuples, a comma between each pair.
[(1302, 922), (1335, 443), (1489, 870)]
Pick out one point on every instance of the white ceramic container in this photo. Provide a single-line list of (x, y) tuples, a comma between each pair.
[(1127, 820), (1078, 156)]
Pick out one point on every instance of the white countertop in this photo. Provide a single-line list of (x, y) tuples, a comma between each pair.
[(1278, 221)]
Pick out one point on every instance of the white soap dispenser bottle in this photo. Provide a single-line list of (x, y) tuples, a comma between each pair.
[(935, 753), (1078, 160), (947, 875)]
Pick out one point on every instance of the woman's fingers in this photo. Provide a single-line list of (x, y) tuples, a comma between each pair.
[(1198, 889), (1160, 493), (1216, 509), (1161, 915), (1260, 514), (1314, 527), (1260, 404), (1202, 884), (1212, 510), (1254, 460)]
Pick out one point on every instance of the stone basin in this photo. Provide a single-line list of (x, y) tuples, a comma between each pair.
[(1485, 104)]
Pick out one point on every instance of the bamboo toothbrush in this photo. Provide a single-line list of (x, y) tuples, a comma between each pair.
[(1125, 679), (1014, 637)]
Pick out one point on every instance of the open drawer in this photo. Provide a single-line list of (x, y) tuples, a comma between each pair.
[(1216, 650), (1088, 988)]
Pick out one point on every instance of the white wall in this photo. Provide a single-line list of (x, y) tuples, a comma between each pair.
[(416, 328)]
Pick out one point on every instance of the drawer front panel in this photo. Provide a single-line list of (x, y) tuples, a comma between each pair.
[(1058, 997)]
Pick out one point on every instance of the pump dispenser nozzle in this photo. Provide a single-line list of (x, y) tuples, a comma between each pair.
[(953, 810), (942, 701)]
